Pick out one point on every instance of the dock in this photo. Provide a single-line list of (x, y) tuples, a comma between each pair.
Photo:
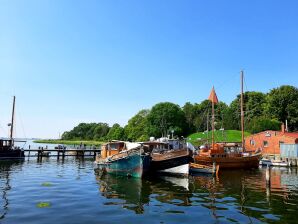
[(61, 153)]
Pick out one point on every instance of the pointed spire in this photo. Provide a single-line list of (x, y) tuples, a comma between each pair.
[(213, 97)]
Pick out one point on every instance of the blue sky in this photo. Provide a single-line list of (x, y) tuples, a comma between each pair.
[(103, 61)]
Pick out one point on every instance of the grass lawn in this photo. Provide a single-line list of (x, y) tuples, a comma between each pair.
[(219, 136), (69, 142)]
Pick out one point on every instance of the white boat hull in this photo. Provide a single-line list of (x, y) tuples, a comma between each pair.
[(267, 162), (178, 170)]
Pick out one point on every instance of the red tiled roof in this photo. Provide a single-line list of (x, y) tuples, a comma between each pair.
[(293, 134)]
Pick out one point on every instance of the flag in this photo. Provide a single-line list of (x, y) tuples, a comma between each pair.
[(213, 97)]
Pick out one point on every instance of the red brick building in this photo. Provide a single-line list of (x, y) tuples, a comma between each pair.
[(269, 141)]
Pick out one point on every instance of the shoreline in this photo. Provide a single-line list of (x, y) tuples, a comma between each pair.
[(69, 142)]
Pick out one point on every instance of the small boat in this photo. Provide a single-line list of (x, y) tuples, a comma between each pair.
[(169, 156), (63, 147), (123, 159), (7, 149), (198, 168), (273, 162)]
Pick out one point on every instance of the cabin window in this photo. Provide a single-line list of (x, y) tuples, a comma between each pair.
[(252, 142), (114, 146), (265, 143)]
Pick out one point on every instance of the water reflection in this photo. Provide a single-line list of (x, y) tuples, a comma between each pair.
[(235, 196), (6, 167), (130, 190)]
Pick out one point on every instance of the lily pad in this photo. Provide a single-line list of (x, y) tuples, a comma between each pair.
[(43, 205), (46, 184)]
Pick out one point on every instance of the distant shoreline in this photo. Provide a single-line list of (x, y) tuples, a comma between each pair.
[(69, 142)]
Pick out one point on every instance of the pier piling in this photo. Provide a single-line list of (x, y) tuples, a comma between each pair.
[(268, 175)]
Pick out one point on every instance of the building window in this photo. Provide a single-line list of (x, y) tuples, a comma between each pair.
[(280, 142), (265, 143), (252, 142)]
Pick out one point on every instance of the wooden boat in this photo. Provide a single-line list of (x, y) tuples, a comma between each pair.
[(7, 149), (225, 156), (169, 156), (198, 168), (123, 159)]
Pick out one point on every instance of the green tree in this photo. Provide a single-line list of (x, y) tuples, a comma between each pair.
[(203, 114), (165, 117), (190, 114), (87, 131), (83, 131), (116, 133), (136, 129), (253, 104), (282, 104), (262, 124), (66, 135), (100, 131)]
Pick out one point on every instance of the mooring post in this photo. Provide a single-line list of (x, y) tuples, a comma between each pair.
[(214, 168), (268, 175), (39, 155)]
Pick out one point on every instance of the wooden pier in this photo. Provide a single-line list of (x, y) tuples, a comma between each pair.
[(61, 153)]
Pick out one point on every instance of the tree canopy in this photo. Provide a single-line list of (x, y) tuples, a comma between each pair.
[(165, 118), (262, 112), (136, 129), (282, 104)]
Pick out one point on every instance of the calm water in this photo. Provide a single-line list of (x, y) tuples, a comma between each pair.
[(71, 192)]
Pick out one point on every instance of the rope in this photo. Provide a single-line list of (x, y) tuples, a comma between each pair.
[(21, 121)]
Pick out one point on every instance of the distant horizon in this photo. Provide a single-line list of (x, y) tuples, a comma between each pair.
[(70, 62)]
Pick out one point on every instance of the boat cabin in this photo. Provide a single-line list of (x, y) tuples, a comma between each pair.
[(112, 148), (158, 146), (6, 144), (221, 150)]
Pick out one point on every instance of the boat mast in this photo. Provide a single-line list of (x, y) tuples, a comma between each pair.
[(208, 127), (12, 117), (213, 120), (242, 114)]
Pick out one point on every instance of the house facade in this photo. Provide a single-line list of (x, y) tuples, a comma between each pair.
[(269, 142)]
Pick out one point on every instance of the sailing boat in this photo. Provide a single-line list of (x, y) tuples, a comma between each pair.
[(225, 156), (7, 148)]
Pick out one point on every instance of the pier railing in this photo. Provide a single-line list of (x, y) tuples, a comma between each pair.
[(80, 152)]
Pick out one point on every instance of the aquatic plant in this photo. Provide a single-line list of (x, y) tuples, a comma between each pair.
[(46, 184), (43, 205)]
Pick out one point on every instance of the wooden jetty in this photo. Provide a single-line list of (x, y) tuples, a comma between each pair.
[(44, 152)]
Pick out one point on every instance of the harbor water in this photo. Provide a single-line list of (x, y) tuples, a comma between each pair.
[(70, 191)]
